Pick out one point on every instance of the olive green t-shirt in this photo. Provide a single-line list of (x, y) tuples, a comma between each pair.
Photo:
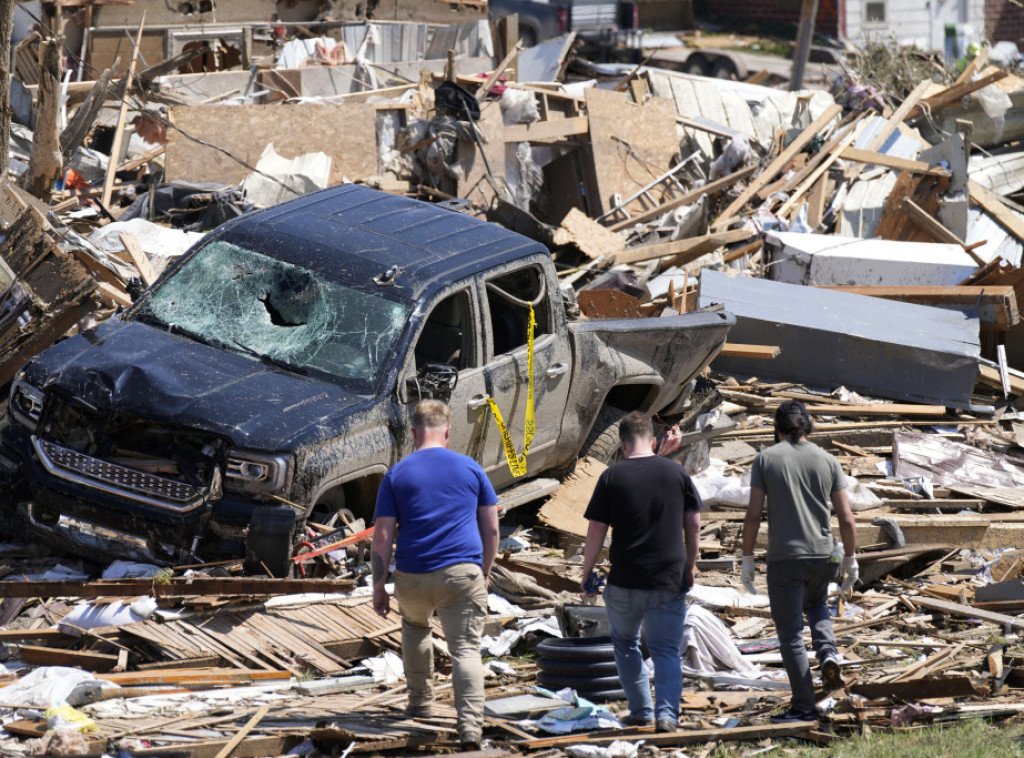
[(798, 480)]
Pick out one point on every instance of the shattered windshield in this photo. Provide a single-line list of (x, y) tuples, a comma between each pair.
[(280, 313)]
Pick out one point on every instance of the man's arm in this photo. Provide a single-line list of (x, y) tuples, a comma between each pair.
[(691, 532), (752, 521), (847, 526), (596, 533), (487, 523), (380, 559)]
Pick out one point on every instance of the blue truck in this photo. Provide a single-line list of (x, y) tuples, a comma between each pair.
[(266, 380)]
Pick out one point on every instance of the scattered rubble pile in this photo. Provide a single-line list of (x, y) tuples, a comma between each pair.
[(658, 192)]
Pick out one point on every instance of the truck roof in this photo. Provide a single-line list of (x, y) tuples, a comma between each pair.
[(355, 235)]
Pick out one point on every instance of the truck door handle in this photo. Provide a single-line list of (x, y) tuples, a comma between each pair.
[(477, 401), (557, 370)]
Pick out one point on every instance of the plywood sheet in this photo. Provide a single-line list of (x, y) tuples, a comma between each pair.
[(632, 144), (344, 132), (475, 185), (564, 510)]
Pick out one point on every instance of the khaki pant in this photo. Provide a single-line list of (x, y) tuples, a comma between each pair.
[(459, 596)]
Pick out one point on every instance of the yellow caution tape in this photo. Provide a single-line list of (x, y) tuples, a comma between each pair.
[(517, 461)]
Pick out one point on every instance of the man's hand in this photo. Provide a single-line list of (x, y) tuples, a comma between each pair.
[(381, 601), (849, 573), (747, 573)]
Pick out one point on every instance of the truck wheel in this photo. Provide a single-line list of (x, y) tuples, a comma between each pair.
[(697, 64), (268, 541), (603, 442), (724, 69)]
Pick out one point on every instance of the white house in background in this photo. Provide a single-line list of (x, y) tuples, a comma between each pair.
[(941, 25)]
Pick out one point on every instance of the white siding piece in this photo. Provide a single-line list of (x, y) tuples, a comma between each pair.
[(864, 204), (1002, 174), (998, 244), (826, 259), (898, 145)]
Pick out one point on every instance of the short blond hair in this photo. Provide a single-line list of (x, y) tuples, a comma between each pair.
[(431, 414)]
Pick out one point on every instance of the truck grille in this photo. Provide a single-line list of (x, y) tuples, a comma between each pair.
[(120, 480)]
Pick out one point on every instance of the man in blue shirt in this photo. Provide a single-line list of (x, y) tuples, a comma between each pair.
[(445, 513)]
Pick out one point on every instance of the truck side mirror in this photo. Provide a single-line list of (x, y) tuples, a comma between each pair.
[(434, 380)]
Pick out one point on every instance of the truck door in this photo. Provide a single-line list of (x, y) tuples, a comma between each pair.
[(451, 336), (507, 298)]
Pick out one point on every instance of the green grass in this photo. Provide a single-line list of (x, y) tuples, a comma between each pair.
[(973, 738)]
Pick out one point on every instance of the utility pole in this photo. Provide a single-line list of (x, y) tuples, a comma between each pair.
[(808, 15)]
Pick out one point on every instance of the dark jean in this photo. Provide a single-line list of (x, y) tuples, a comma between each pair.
[(662, 614), (795, 588)]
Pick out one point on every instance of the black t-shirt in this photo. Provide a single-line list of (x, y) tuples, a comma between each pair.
[(643, 500)]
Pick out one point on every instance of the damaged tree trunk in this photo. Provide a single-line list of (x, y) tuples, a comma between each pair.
[(46, 162), (80, 126), (6, 30)]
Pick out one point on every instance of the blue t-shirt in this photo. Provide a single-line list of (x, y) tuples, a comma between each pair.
[(434, 493)]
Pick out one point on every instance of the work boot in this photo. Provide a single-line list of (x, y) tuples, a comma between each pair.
[(630, 720), (419, 711), (831, 676), (666, 725)]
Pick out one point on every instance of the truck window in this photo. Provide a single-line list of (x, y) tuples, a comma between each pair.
[(509, 298), (447, 335)]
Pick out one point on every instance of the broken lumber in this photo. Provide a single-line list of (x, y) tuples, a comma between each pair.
[(997, 305), (995, 207), (689, 737), (685, 250), (759, 352), (83, 659), (176, 588), (548, 131), (955, 93), (115, 149), (891, 161), (781, 161), (968, 611), (139, 257)]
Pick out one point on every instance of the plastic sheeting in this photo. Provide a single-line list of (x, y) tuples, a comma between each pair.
[(707, 647), (45, 687)]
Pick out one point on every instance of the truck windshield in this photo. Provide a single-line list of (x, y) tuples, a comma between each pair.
[(283, 314)]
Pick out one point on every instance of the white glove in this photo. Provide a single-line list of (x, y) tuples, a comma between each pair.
[(747, 573), (849, 573)]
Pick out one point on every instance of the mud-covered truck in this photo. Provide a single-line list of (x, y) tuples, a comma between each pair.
[(268, 377)]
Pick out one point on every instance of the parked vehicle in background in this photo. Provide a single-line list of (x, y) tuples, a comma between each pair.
[(593, 20), (267, 379)]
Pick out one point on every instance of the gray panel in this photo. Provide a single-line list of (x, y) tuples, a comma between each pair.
[(884, 348)]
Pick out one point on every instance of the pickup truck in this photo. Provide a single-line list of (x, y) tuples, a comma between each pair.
[(268, 377), (593, 20)]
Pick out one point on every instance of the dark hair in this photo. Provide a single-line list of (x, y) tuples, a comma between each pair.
[(792, 421), (635, 426)]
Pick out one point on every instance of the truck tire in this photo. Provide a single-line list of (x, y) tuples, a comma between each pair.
[(597, 649), (698, 65), (582, 683), (268, 541), (724, 69), (576, 668), (602, 443)]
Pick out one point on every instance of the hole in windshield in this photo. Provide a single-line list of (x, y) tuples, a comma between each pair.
[(237, 298)]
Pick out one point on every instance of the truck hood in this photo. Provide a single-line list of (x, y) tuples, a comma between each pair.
[(148, 373)]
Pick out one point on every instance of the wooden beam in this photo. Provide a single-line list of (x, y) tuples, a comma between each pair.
[(688, 737), (711, 188), (951, 295), (48, 656), (191, 676), (992, 204), (241, 734), (818, 172), (935, 228), (115, 148), (989, 376), (553, 129), (139, 257), (132, 587), (736, 350), (684, 249), (969, 611), (891, 161), (488, 85), (781, 161), (955, 93), (879, 409), (899, 115)]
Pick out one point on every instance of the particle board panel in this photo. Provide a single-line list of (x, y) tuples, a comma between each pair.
[(475, 184), (632, 145), (244, 131)]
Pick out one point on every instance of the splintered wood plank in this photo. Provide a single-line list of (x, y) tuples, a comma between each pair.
[(543, 131), (926, 191), (689, 737), (564, 509), (892, 161), (780, 162), (992, 204), (632, 145), (191, 676), (969, 611), (246, 130), (737, 350), (46, 656)]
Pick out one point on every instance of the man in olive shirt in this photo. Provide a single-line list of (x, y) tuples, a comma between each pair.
[(800, 481), (653, 509)]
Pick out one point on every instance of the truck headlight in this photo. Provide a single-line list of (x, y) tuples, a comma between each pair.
[(26, 404), (257, 473)]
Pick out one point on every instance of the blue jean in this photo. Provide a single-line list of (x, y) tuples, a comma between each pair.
[(796, 588), (662, 614)]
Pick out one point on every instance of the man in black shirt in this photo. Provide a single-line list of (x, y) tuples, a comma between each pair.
[(650, 503)]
